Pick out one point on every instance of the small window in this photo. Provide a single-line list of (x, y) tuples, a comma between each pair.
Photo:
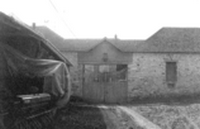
[(122, 71), (89, 68), (104, 68), (171, 73)]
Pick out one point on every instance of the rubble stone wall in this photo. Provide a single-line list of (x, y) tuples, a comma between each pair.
[(147, 75), (75, 72)]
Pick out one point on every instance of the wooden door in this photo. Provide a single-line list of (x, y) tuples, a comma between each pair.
[(93, 88), (94, 92), (104, 85), (115, 92)]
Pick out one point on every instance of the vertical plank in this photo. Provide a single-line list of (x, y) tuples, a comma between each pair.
[(93, 90), (82, 78), (116, 92)]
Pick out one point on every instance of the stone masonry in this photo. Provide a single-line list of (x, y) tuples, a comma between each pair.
[(147, 75)]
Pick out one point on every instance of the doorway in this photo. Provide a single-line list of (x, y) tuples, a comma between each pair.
[(105, 83)]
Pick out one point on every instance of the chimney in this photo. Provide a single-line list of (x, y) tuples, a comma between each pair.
[(34, 25), (116, 36)]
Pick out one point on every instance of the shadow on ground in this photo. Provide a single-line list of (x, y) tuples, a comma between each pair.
[(167, 100), (79, 114), (75, 116)]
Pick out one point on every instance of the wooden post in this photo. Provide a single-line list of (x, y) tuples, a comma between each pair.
[(83, 78)]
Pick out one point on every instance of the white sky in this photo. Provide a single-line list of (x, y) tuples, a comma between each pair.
[(129, 19)]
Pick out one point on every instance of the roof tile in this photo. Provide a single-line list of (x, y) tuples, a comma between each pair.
[(167, 39)]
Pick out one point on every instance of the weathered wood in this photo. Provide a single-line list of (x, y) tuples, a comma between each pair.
[(103, 87), (94, 92), (116, 92)]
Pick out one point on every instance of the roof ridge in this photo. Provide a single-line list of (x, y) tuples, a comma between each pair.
[(179, 27)]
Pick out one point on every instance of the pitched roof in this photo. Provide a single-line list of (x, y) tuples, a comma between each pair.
[(167, 39), (80, 45), (50, 35), (128, 45), (11, 27), (83, 45), (170, 39)]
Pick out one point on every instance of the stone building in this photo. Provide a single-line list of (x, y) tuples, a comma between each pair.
[(115, 71)]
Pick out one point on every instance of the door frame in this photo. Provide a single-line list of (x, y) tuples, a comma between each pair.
[(105, 85)]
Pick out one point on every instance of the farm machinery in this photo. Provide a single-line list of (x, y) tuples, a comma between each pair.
[(34, 77)]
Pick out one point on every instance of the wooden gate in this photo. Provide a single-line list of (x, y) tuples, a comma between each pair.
[(105, 83)]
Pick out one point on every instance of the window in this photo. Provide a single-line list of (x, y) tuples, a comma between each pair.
[(104, 68), (171, 73), (122, 71), (106, 73)]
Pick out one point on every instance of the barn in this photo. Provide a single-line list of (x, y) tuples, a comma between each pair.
[(165, 65)]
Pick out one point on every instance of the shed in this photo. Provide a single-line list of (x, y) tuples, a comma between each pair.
[(29, 65)]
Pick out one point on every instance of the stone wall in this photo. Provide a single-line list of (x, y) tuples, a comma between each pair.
[(75, 72), (147, 75)]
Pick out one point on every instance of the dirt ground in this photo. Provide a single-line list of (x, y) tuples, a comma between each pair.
[(85, 116), (77, 117), (91, 117), (141, 116), (171, 116)]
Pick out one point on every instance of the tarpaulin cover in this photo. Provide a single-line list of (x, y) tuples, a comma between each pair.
[(55, 73)]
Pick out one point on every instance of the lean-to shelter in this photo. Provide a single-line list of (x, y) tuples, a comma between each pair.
[(30, 64)]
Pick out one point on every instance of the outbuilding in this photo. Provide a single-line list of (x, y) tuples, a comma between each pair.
[(167, 64)]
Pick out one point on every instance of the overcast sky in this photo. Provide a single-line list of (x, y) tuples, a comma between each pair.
[(129, 19)]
